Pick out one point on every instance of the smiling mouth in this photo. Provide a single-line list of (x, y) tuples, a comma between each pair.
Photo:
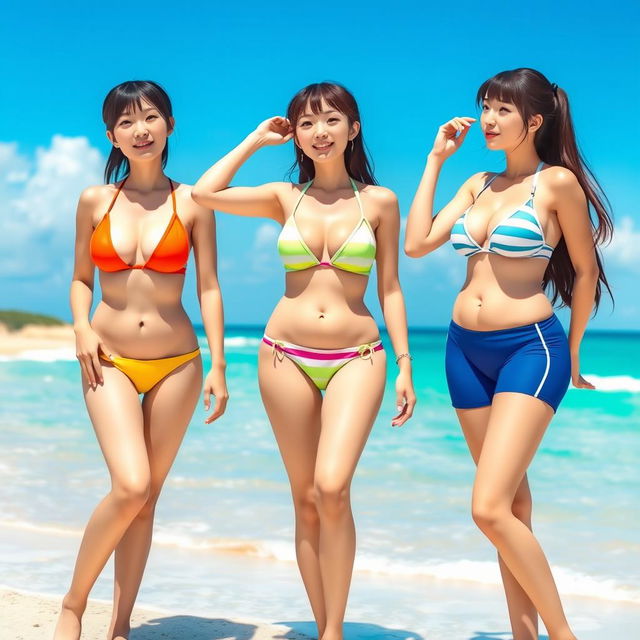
[(323, 147), (490, 134), (143, 145)]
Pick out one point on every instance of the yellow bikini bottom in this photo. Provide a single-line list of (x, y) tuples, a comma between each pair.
[(145, 374)]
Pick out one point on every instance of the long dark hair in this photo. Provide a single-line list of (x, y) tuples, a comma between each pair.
[(356, 159), (122, 98), (555, 141)]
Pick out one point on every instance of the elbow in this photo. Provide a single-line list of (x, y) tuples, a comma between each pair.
[(413, 250), (198, 195)]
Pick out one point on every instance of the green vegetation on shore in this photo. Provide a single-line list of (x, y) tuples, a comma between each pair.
[(15, 320)]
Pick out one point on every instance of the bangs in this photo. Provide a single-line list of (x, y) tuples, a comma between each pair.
[(314, 95), (128, 96), (503, 87)]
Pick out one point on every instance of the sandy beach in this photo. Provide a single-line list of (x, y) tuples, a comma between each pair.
[(35, 338), (29, 617)]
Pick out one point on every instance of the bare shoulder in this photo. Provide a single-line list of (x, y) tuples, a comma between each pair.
[(95, 199), (560, 179), (380, 196), (186, 205)]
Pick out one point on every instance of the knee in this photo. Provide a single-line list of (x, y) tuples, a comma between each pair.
[(305, 506), (522, 507), (488, 515), (131, 493), (149, 507), (332, 498)]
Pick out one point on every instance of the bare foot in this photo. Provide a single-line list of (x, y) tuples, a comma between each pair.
[(69, 624)]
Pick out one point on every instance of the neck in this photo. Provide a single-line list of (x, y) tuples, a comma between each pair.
[(522, 161), (331, 176), (147, 176)]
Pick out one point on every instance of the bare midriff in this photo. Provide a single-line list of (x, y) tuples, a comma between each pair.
[(141, 315), (323, 308), (501, 292)]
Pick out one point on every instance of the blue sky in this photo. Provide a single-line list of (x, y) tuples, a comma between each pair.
[(411, 67)]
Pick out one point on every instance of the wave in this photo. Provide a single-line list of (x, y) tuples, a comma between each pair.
[(242, 341), (614, 383), (41, 355), (569, 581)]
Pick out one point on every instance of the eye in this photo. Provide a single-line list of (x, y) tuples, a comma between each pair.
[(304, 123), (485, 107), (333, 119), (152, 116), (124, 122), (505, 109)]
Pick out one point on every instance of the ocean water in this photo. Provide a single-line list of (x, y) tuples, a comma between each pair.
[(227, 499)]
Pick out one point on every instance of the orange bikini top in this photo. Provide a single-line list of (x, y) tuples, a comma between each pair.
[(169, 256)]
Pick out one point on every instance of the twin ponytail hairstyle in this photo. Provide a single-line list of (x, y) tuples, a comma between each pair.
[(356, 158), (555, 141), (120, 100)]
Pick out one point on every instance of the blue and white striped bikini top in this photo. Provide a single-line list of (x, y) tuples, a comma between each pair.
[(519, 235)]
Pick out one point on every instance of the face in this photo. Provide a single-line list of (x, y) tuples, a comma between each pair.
[(324, 135), (503, 126), (141, 133)]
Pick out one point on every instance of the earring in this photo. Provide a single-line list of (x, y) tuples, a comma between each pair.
[(353, 142)]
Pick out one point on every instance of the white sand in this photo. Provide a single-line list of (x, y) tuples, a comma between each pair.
[(26, 616)]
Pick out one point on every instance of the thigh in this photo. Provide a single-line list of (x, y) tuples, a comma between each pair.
[(469, 388), (168, 409), (293, 405), (474, 423), (516, 425), (115, 412), (351, 404)]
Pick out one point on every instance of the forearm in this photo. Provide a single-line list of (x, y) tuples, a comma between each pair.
[(395, 318), (583, 298), (213, 320), (221, 173), (421, 212), (81, 298)]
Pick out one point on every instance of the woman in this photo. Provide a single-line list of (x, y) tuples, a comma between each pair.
[(508, 362), (140, 340), (334, 226)]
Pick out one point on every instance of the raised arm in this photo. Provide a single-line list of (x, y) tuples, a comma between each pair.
[(212, 189), (392, 299), (572, 210), (88, 343), (425, 232), (203, 238)]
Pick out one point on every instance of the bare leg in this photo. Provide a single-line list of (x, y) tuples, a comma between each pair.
[(167, 410), (349, 409), (522, 612), (516, 425), (293, 405), (116, 415)]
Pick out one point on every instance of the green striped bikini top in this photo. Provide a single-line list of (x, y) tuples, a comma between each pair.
[(356, 254)]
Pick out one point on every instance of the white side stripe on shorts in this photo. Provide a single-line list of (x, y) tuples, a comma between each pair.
[(546, 371)]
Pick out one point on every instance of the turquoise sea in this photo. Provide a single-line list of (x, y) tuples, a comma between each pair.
[(224, 524)]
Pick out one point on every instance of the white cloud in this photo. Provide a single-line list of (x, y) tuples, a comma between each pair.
[(623, 250), (37, 206)]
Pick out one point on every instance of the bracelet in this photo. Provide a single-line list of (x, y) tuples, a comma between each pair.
[(404, 355)]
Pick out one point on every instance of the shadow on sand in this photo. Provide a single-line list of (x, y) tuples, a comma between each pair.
[(352, 631), (197, 628), (497, 635)]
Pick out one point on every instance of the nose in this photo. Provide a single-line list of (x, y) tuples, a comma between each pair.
[(140, 129), (320, 130)]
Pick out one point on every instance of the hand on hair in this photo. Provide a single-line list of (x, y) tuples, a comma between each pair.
[(276, 130), (450, 136)]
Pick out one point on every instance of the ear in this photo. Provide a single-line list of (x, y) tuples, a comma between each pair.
[(112, 139), (535, 122), (171, 126), (355, 130)]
